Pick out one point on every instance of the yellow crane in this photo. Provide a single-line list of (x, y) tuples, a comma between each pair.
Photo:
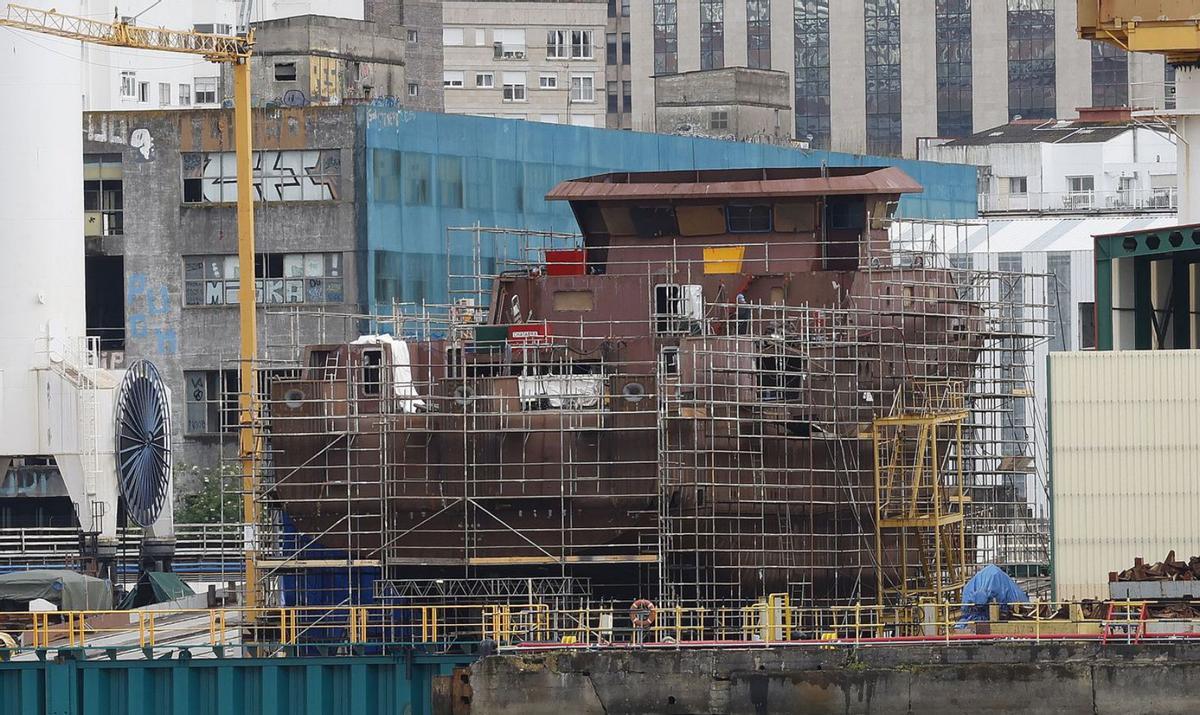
[(235, 51)]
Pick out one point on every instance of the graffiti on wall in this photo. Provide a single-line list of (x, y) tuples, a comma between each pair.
[(309, 175), (147, 310)]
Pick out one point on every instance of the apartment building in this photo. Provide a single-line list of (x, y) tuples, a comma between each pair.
[(541, 61)]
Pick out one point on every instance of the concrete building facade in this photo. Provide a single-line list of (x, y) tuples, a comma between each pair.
[(542, 61), (354, 209), (874, 76)]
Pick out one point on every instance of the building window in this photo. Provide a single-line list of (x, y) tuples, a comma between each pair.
[(557, 44), (1058, 299), (1031, 60), (185, 95), (103, 198), (164, 94), (514, 86), (143, 92), (508, 44), (485, 80), (129, 85), (581, 44), (583, 88), (883, 77), (748, 219), (1080, 192), (450, 182), (209, 28), (211, 401), (627, 95), (812, 72), (718, 120), (452, 36), (610, 91), (624, 8), (625, 48), (412, 36), (285, 71), (954, 89), (1169, 86), (610, 48), (712, 34), (666, 37), (289, 175), (281, 278), (1017, 185), (548, 81), (206, 90), (1110, 75), (452, 78), (413, 89), (612, 8), (1081, 184), (758, 33)]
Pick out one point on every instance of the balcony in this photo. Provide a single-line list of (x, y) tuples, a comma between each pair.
[(1073, 202)]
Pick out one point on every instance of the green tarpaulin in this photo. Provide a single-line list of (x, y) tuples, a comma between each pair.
[(68, 590), (155, 587)]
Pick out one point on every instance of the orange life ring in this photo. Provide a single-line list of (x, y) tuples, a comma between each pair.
[(642, 613)]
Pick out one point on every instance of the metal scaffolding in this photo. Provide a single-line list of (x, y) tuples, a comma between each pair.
[(753, 448)]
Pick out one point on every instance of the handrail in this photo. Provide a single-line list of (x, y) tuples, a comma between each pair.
[(772, 621)]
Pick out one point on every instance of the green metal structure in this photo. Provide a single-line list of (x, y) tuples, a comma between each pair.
[(180, 685), (1148, 289)]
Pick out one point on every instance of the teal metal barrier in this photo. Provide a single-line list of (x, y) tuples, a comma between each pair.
[(401, 683)]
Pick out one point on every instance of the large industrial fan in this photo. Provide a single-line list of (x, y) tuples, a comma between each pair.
[(143, 442)]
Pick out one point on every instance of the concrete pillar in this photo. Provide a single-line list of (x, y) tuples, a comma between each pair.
[(1187, 102), (1072, 62), (989, 64), (918, 73), (1123, 315), (735, 33), (848, 98), (688, 31), (783, 56), (641, 65)]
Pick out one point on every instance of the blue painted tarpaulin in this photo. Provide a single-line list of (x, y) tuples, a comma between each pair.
[(990, 585)]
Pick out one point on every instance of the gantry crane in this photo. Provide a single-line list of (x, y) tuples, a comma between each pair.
[(235, 51)]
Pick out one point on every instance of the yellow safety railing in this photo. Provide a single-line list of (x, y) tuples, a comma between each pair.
[(774, 619)]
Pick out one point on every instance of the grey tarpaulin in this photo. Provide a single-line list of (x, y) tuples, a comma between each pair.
[(68, 590)]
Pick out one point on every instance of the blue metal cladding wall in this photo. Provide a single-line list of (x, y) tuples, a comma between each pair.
[(426, 172), (232, 686)]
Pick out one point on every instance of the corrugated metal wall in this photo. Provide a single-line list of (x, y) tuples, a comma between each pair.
[(1125, 453), (167, 685)]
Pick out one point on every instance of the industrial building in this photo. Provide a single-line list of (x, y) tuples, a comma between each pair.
[(876, 76)]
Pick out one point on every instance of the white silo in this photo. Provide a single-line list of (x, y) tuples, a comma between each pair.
[(54, 400)]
